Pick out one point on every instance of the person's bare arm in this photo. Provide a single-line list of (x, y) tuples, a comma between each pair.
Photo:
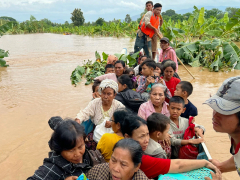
[(192, 141), (226, 166), (184, 165)]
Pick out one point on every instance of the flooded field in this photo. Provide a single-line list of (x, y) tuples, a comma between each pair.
[(36, 86)]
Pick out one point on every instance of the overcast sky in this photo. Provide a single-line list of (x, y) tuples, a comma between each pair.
[(59, 10)]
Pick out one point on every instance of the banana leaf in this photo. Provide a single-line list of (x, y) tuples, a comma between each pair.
[(5, 27), (210, 45), (3, 54), (196, 62), (226, 18), (201, 16), (105, 56), (186, 52), (233, 21), (230, 54), (217, 64)]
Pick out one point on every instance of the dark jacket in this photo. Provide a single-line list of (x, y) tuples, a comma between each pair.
[(130, 99), (57, 168)]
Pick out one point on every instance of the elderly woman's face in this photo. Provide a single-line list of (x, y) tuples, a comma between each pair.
[(157, 96), (108, 95), (75, 155), (121, 165)]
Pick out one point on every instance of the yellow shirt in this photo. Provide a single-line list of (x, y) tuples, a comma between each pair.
[(106, 144)]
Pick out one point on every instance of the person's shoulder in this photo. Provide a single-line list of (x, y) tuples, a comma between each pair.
[(140, 175), (146, 104), (183, 119), (191, 104), (176, 79), (98, 170)]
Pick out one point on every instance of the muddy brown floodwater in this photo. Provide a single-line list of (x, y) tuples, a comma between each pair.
[(36, 86)]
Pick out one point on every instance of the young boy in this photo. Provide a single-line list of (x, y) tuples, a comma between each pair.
[(95, 87), (158, 126), (184, 89), (109, 68), (148, 67), (178, 126)]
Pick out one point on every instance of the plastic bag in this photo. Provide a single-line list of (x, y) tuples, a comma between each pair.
[(82, 177), (101, 130), (188, 151)]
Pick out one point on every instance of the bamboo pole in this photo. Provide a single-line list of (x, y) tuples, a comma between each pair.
[(160, 37)]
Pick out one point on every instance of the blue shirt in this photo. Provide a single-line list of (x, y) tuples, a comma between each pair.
[(191, 110)]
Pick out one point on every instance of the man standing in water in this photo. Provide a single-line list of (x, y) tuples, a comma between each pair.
[(226, 119), (149, 26)]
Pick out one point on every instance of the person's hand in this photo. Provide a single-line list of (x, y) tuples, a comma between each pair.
[(167, 141), (217, 175), (71, 178), (150, 80), (160, 81), (193, 120), (215, 163), (214, 177), (199, 132), (95, 95), (108, 124), (196, 141), (77, 120)]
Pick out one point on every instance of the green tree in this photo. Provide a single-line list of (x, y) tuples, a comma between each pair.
[(99, 21), (169, 12), (231, 11), (66, 23), (77, 17), (128, 18), (214, 12)]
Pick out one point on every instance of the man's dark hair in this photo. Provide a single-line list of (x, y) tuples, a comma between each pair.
[(108, 66), (65, 136), (140, 69), (149, 2), (157, 122), (177, 99), (169, 63), (125, 79), (149, 63), (157, 5), (134, 149), (238, 115), (186, 86)]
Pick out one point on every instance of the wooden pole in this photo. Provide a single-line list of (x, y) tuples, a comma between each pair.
[(160, 37)]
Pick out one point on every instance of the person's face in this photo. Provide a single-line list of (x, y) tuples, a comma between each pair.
[(146, 71), (157, 96), (121, 87), (142, 136), (115, 126), (157, 11), (143, 59), (225, 123), (168, 73), (110, 70), (149, 7), (163, 135), (75, 155), (164, 45), (158, 70), (175, 110), (179, 91), (119, 69), (121, 165), (108, 95)]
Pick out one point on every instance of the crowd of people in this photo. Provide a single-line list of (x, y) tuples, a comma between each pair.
[(135, 125)]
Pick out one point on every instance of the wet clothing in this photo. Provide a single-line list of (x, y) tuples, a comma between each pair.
[(169, 53), (102, 172), (191, 110), (177, 134), (153, 167), (236, 155), (57, 168), (154, 149), (106, 144)]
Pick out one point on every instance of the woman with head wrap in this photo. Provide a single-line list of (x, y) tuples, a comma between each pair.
[(101, 109)]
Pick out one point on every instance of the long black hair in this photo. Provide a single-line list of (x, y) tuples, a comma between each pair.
[(125, 79), (65, 136)]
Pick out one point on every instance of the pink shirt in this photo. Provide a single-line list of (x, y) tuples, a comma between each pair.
[(146, 109), (107, 76), (169, 53)]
